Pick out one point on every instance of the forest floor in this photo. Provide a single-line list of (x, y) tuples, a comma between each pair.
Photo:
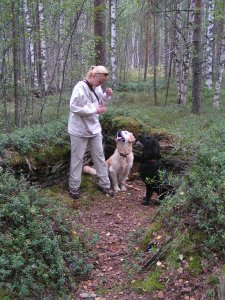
[(120, 222)]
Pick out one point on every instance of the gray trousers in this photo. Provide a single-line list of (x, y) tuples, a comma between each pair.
[(78, 148)]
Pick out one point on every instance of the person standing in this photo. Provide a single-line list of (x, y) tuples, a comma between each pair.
[(87, 102)]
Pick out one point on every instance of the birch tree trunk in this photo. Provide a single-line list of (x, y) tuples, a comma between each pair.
[(43, 49), (30, 58), (147, 44), (177, 52), (113, 42), (186, 58), (209, 46), (197, 59), (216, 98)]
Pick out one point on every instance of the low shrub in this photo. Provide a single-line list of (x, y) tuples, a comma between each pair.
[(39, 256), (201, 192), (25, 139)]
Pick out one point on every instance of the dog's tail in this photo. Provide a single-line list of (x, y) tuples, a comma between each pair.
[(89, 170)]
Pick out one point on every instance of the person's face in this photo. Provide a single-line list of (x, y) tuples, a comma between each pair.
[(100, 78)]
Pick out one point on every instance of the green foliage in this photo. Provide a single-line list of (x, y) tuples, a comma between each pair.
[(202, 191), (134, 86), (149, 233), (195, 265), (29, 138), (151, 282), (39, 254), (213, 279)]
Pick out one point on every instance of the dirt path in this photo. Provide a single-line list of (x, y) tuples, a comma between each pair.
[(116, 221)]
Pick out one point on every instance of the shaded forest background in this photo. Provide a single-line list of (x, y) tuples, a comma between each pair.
[(47, 46)]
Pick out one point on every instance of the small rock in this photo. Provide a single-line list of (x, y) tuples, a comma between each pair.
[(88, 296)]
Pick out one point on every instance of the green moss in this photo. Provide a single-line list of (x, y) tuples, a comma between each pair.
[(16, 159), (3, 295), (156, 226), (197, 236), (213, 280), (151, 283), (50, 153), (161, 132), (128, 123), (181, 245), (195, 265), (42, 156)]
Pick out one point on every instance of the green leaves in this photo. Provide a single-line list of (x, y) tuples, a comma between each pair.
[(38, 253), (28, 138)]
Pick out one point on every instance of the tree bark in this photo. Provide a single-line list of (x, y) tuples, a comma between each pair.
[(99, 30), (197, 59), (147, 44), (209, 47), (16, 77), (216, 98), (177, 52), (113, 59), (186, 59), (155, 56)]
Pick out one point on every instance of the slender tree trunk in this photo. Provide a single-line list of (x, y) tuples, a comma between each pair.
[(3, 88), (135, 55), (43, 54), (30, 58), (186, 58), (216, 99), (99, 29), (113, 60), (155, 56), (165, 48), (209, 46), (147, 44), (178, 49), (168, 79), (16, 76), (60, 51), (77, 17), (197, 59)]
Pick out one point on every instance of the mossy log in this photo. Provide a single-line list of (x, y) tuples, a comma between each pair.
[(50, 164), (42, 167)]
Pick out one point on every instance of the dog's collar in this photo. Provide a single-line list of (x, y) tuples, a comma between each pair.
[(124, 154), (152, 161)]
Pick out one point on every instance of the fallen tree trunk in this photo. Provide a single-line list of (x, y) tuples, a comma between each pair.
[(50, 165)]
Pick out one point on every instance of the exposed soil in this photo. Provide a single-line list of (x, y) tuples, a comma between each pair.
[(119, 222), (116, 220)]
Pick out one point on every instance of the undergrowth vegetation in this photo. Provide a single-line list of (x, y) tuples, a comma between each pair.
[(28, 138), (41, 255), (202, 192)]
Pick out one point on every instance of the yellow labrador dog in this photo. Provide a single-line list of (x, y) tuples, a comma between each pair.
[(120, 163)]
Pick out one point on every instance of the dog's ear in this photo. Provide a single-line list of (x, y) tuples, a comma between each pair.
[(131, 138)]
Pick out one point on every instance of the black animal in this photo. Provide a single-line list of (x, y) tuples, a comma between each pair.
[(152, 170)]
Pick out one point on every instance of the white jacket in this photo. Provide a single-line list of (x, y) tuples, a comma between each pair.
[(83, 117)]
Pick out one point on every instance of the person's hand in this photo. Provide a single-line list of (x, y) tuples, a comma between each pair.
[(101, 109), (108, 92)]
